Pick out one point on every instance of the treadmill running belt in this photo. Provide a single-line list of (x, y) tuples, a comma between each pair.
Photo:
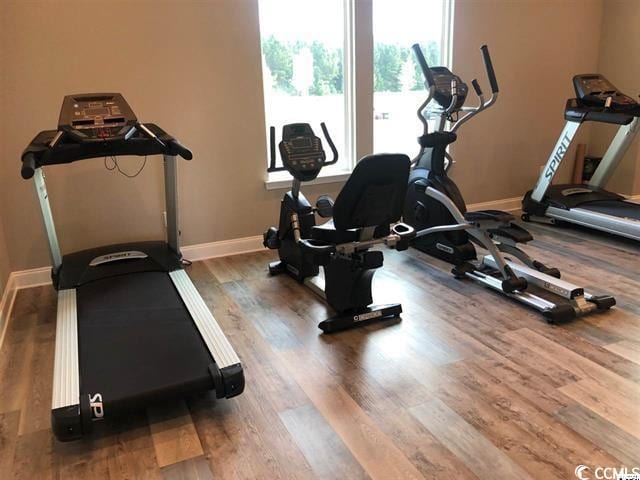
[(614, 208), (137, 342)]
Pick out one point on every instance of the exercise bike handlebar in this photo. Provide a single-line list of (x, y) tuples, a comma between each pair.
[(334, 151), (273, 155), (272, 152), (488, 65)]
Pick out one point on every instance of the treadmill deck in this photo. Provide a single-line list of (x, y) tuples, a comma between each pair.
[(137, 341)]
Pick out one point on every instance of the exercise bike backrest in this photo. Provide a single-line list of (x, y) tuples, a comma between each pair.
[(301, 151)]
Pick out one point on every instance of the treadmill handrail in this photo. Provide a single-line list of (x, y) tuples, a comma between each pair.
[(40, 151)]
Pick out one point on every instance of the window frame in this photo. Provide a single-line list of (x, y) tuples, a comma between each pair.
[(358, 77)]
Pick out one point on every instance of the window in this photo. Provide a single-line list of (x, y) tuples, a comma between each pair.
[(398, 82), (308, 69), (303, 69)]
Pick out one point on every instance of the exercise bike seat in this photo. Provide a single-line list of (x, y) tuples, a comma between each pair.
[(328, 233), (489, 215), (373, 196)]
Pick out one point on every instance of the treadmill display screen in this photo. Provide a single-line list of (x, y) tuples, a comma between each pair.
[(96, 111)]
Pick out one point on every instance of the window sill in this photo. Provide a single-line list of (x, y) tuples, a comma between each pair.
[(283, 181)]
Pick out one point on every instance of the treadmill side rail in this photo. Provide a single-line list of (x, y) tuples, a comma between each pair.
[(65, 402), (625, 227), (221, 350)]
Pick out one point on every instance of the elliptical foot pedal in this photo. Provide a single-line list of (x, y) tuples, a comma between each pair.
[(361, 318), (603, 302)]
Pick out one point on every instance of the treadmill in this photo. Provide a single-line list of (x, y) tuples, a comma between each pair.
[(590, 205), (131, 327)]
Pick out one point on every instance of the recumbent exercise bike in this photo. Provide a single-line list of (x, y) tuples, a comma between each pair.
[(365, 213)]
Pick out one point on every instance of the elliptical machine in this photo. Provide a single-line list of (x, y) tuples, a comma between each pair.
[(445, 229), (365, 213)]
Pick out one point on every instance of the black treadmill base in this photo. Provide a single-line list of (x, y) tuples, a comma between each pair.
[(137, 342)]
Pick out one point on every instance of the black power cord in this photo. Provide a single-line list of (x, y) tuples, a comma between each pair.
[(116, 166)]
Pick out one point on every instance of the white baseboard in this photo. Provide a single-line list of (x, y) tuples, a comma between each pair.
[(506, 204), (223, 248), (42, 276), (6, 304), (36, 277)]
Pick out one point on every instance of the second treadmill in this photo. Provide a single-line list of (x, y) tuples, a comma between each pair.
[(590, 205)]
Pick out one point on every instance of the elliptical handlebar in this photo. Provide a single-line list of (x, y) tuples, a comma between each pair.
[(476, 87), (430, 83), (488, 65), (482, 105), (426, 71)]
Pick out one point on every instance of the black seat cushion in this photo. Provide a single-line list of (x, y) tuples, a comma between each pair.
[(374, 193), (327, 233)]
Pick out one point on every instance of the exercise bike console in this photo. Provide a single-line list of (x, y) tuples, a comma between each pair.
[(301, 151)]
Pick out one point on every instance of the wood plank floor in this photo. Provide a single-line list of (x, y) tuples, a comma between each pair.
[(467, 385)]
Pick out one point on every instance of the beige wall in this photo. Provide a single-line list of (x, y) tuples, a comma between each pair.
[(191, 67), (194, 68), (5, 267), (620, 63), (537, 47)]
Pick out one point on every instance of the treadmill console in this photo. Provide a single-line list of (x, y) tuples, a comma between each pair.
[(104, 116), (301, 151), (594, 90), (443, 78)]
